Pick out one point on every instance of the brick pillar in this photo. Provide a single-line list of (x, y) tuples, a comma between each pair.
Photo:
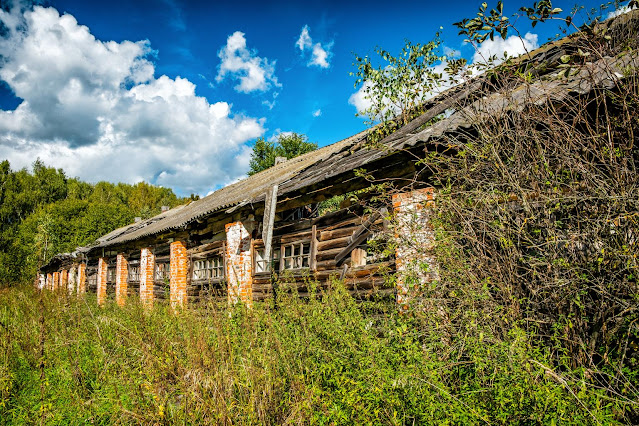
[(121, 276), (415, 263), (102, 278), (239, 266), (56, 280), (82, 278), (64, 279), (49, 283), (73, 279), (147, 268), (179, 271)]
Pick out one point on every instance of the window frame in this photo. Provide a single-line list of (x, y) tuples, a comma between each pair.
[(301, 256), (162, 273), (131, 275), (214, 268)]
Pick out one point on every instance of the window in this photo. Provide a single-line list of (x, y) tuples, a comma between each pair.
[(134, 274), (162, 271), (262, 264), (296, 255), (110, 275), (209, 269)]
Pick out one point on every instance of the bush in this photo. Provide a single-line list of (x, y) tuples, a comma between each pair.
[(319, 361)]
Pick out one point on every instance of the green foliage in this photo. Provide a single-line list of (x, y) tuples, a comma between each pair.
[(320, 361), (397, 88), (288, 145), (44, 212)]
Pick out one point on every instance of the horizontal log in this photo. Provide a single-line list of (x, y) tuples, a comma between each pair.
[(334, 243), (208, 254), (328, 254), (355, 221), (298, 236), (326, 264), (206, 247), (337, 233)]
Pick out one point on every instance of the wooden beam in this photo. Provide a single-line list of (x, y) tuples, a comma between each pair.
[(360, 236), (270, 204)]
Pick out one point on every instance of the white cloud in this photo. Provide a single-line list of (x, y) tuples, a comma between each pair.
[(254, 73), (317, 113), (511, 46), (96, 109), (305, 41), (449, 52), (359, 99), (320, 54), (620, 11)]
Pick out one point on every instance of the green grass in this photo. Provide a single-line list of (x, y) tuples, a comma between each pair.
[(63, 360)]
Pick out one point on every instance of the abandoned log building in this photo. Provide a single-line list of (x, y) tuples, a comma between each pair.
[(231, 243)]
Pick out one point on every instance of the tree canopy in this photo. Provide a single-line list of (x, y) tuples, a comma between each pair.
[(288, 145), (43, 212)]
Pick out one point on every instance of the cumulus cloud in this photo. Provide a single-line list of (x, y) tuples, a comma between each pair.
[(96, 109), (317, 113), (511, 46), (320, 54), (620, 11), (253, 72)]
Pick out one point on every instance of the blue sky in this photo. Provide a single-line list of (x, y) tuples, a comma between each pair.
[(174, 92)]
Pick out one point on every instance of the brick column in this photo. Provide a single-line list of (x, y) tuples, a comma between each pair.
[(121, 276), (64, 279), (239, 265), (415, 263), (179, 271), (147, 267), (49, 282), (56, 280), (73, 278), (102, 278), (82, 278)]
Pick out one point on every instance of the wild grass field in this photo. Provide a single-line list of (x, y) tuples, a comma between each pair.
[(64, 360)]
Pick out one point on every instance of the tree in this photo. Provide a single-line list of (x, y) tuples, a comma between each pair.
[(288, 145), (397, 89)]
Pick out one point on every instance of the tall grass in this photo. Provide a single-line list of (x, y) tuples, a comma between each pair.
[(63, 360)]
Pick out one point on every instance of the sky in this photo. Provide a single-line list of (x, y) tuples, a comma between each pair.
[(175, 92)]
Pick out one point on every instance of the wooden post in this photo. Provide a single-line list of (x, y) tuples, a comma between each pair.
[(270, 204)]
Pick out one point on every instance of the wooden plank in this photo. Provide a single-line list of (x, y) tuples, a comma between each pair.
[(357, 240), (314, 243), (270, 205), (361, 235)]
